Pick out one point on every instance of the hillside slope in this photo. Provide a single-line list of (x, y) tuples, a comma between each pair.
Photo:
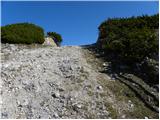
[(63, 82)]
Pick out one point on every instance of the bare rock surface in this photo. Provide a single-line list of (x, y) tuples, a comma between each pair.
[(55, 82)]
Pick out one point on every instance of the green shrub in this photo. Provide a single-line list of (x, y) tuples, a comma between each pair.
[(57, 37), (130, 39), (22, 33)]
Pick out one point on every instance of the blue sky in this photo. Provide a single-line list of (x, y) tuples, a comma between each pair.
[(77, 22)]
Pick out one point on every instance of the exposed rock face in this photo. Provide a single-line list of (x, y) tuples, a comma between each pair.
[(56, 82)]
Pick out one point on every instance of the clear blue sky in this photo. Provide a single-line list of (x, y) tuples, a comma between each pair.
[(77, 22)]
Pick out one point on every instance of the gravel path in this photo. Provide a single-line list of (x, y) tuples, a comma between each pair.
[(54, 82), (49, 82)]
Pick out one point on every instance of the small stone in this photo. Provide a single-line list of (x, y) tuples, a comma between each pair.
[(132, 105), (99, 88), (56, 95), (4, 115), (6, 65), (56, 115), (79, 106), (113, 78), (109, 77), (145, 117), (61, 101), (104, 65), (71, 99), (133, 84), (18, 102), (76, 107), (19, 105), (61, 89), (123, 116)]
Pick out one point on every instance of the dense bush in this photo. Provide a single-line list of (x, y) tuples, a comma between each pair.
[(57, 37), (131, 39), (24, 33)]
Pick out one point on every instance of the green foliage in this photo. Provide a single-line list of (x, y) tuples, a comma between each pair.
[(131, 39), (57, 37), (22, 33)]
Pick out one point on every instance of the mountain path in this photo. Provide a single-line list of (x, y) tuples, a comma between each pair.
[(56, 82)]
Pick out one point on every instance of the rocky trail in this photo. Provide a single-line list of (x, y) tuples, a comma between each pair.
[(63, 82)]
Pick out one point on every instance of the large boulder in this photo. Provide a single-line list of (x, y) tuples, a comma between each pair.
[(50, 42)]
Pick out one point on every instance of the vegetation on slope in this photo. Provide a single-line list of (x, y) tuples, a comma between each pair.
[(130, 39), (24, 33)]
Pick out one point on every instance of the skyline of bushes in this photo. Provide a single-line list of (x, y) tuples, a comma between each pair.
[(130, 39), (22, 33)]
